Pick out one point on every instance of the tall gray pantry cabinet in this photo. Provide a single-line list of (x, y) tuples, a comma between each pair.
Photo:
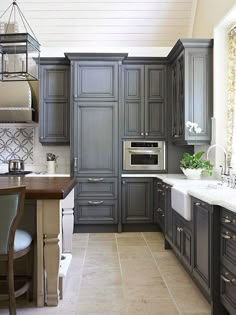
[(95, 100)]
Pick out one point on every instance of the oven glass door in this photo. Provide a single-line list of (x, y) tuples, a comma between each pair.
[(143, 159)]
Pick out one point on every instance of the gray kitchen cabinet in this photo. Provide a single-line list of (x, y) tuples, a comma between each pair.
[(137, 200), (168, 215), (95, 139), (54, 121), (191, 89), (144, 101)]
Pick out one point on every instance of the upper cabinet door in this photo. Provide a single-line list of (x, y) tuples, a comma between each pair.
[(54, 123), (155, 101), (199, 92), (55, 82), (96, 138), (133, 109), (95, 80)]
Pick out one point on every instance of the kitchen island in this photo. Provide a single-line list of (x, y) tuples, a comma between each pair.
[(54, 199)]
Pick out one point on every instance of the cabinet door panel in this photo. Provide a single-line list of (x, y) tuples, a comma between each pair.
[(137, 200), (155, 82), (201, 256), (187, 248), (177, 236), (133, 82), (55, 121), (96, 138), (55, 82), (155, 119), (228, 249), (96, 80), (132, 120)]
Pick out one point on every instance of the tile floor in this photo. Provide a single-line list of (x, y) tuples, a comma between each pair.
[(125, 274)]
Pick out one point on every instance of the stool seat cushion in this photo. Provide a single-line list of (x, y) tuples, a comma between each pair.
[(22, 240)]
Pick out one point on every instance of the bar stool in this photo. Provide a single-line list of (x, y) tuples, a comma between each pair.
[(14, 243)]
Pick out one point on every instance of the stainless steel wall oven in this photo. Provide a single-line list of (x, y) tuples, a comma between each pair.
[(144, 155)]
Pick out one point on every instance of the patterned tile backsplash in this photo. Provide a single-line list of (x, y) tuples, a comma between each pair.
[(21, 141), (17, 143)]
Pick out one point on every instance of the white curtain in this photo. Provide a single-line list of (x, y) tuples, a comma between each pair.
[(231, 110)]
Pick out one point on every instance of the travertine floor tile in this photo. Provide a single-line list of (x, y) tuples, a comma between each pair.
[(102, 259), (147, 291), (104, 276), (152, 307), (130, 241), (156, 246), (101, 236), (153, 236), (134, 252), (124, 274), (194, 301), (175, 276)]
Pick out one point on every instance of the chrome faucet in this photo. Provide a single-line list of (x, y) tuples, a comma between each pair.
[(224, 169)]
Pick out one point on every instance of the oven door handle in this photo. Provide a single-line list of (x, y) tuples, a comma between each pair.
[(144, 151)]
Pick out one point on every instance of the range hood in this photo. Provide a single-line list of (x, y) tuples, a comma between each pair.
[(16, 102)]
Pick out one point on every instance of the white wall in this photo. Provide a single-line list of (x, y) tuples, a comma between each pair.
[(208, 14)]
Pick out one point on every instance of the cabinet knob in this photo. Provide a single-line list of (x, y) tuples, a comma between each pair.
[(41, 138), (123, 182), (142, 133), (146, 134), (75, 95), (75, 164), (197, 203)]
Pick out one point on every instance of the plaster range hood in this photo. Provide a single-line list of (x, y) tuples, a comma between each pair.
[(16, 102)]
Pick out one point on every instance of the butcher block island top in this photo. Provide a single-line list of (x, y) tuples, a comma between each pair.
[(41, 187)]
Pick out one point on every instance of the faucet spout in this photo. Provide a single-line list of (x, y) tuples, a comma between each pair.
[(224, 151)]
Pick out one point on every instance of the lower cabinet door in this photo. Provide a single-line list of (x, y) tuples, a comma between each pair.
[(187, 247), (96, 211), (202, 245), (228, 291), (137, 200)]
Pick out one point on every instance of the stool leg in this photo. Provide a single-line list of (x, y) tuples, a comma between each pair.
[(10, 276)]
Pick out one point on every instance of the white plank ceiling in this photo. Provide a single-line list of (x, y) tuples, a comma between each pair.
[(110, 23)]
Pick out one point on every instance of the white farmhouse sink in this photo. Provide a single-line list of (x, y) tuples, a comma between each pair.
[(181, 201)]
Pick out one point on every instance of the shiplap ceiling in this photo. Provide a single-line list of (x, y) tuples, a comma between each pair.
[(110, 23)]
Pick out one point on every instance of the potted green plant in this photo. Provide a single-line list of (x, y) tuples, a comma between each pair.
[(193, 165)]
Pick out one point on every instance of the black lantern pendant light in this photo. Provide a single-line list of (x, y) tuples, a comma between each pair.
[(19, 52)]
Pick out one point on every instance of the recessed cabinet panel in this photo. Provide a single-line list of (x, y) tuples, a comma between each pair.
[(200, 97), (133, 80), (96, 138), (56, 120), (155, 119), (154, 82), (132, 118), (55, 83), (96, 80)]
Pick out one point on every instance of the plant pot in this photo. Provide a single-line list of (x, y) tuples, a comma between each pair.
[(192, 173)]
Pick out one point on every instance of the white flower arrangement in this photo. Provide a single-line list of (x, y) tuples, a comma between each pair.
[(193, 127)]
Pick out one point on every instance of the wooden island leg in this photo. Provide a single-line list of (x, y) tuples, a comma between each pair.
[(51, 230)]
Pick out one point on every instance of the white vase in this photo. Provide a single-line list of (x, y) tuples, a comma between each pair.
[(192, 173)]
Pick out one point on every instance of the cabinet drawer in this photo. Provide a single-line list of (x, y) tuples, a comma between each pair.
[(228, 219), (96, 211), (97, 187), (228, 290), (228, 249)]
